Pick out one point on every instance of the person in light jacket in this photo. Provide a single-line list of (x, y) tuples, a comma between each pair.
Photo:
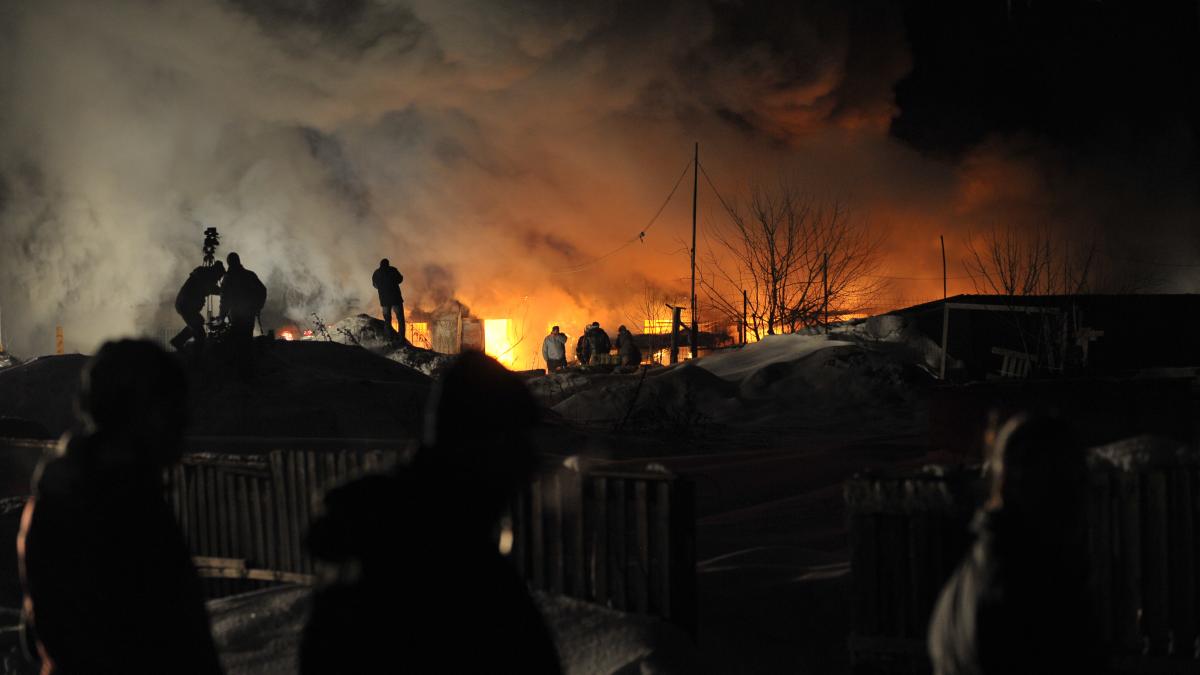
[(554, 350)]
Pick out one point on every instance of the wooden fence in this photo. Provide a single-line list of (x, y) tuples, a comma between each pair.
[(621, 539), (908, 533)]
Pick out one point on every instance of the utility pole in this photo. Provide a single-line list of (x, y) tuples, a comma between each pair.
[(695, 341)]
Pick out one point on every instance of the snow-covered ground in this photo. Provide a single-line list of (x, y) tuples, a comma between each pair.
[(780, 381), (373, 335), (259, 634), (7, 360)]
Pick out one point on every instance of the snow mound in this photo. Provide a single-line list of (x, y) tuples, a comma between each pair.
[(373, 335), (669, 398), (259, 633), (737, 364), (555, 387), (594, 640), (1142, 452), (364, 331)]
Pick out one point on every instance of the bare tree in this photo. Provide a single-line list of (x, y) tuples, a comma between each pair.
[(1008, 262), (783, 247)]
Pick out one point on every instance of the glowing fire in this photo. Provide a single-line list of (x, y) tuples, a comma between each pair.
[(419, 336), (497, 340), (656, 326), (287, 334)]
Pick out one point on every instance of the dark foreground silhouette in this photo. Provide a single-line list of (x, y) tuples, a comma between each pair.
[(421, 585), (109, 582), (1018, 602)]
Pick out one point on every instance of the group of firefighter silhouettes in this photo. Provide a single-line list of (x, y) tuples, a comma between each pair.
[(243, 295), (592, 348)]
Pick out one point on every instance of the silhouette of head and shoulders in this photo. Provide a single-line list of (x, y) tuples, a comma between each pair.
[(419, 542)]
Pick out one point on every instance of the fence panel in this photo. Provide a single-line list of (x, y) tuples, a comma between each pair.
[(621, 539)]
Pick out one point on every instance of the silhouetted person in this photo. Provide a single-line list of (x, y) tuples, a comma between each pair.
[(600, 344), (242, 298), (200, 284), (583, 347), (387, 280), (627, 349), (554, 350), (1018, 602), (423, 587), (109, 581)]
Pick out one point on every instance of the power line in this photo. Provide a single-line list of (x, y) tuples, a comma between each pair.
[(640, 236)]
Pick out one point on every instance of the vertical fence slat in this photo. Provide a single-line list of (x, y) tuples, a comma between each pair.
[(1102, 553), (245, 528), (1182, 563), (537, 544), (618, 569), (259, 520), (599, 554), (641, 558), (555, 533), (295, 479), (662, 548), (1131, 563), (1157, 600), (577, 524), (683, 555), (282, 518)]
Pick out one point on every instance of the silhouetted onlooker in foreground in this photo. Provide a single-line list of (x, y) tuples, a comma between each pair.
[(1018, 602), (423, 587), (387, 280), (627, 349), (554, 350), (109, 582), (200, 284)]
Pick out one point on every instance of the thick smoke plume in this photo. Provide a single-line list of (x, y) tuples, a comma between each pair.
[(492, 151)]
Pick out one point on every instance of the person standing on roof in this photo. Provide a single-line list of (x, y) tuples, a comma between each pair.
[(554, 350), (242, 298), (200, 284), (387, 280)]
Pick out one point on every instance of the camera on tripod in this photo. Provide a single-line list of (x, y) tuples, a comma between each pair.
[(212, 240)]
